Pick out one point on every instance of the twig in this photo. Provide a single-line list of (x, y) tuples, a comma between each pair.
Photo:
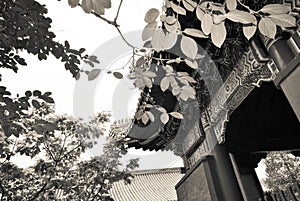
[(119, 8), (124, 38), (247, 7)]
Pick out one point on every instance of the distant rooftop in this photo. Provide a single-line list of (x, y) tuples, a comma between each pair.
[(148, 185)]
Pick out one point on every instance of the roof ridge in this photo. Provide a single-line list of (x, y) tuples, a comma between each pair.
[(158, 171)]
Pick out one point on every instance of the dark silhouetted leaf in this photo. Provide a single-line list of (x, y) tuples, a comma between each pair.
[(118, 75), (36, 104)]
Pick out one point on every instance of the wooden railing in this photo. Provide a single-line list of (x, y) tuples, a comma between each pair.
[(291, 193)]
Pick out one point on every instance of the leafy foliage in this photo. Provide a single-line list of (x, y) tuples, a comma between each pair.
[(56, 143), (282, 170)]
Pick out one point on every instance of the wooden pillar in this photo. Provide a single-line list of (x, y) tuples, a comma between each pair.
[(285, 52), (247, 179), (212, 178), (224, 169)]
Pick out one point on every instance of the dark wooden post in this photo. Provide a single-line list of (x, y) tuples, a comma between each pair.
[(284, 51)]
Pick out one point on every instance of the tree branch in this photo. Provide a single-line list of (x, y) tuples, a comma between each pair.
[(119, 8), (41, 190)]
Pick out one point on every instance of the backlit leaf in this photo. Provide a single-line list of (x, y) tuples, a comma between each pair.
[(176, 115), (164, 84), (206, 23), (241, 17), (86, 6), (150, 115), (199, 13), (105, 3), (148, 30), (189, 5), (276, 9), (164, 118), (93, 74), (170, 40), (161, 109), (218, 34), (73, 3), (249, 31), (267, 27), (145, 118), (231, 4), (151, 15), (192, 64), (171, 20), (283, 20), (178, 9), (157, 39), (98, 7), (194, 32), (189, 47)]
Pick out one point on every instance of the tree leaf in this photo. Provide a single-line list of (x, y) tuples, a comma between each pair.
[(36, 104), (206, 23), (219, 18), (194, 32), (98, 6), (171, 20), (157, 39), (164, 84), (104, 3), (249, 31), (140, 62), (47, 99), (189, 47), (178, 9), (150, 115), (148, 30), (267, 27), (161, 109), (87, 5), (192, 64), (28, 93), (176, 90), (170, 40), (199, 13), (187, 92), (151, 15), (276, 9), (73, 3), (241, 17), (283, 20), (145, 118), (176, 115), (118, 75), (231, 4), (189, 5), (93, 74), (164, 118), (37, 93), (218, 34)]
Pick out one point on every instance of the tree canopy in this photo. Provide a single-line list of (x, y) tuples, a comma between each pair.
[(282, 170)]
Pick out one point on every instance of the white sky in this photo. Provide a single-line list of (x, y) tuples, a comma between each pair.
[(83, 30)]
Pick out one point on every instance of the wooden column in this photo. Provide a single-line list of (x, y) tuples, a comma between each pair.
[(247, 180), (285, 52)]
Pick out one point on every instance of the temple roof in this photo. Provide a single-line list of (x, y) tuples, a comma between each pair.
[(148, 185)]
